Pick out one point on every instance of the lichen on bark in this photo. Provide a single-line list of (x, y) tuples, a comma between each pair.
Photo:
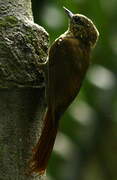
[(23, 51)]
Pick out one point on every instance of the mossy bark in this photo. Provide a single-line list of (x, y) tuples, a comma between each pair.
[(23, 55)]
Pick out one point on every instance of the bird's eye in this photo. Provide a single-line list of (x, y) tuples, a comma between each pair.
[(78, 20)]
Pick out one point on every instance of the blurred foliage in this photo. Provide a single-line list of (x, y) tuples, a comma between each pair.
[(86, 146)]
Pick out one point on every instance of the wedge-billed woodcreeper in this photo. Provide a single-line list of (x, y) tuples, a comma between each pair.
[(69, 58)]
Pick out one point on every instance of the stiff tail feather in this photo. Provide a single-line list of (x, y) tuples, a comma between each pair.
[(44, 147)]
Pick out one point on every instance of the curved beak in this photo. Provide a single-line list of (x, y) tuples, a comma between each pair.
[(68, 12)]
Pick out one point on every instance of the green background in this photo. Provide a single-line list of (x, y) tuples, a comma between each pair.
[(86, 145)]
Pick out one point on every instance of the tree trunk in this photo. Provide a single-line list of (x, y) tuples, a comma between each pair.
[(23, 53)]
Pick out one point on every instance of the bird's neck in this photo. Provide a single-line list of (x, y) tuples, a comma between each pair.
[(70, 34)]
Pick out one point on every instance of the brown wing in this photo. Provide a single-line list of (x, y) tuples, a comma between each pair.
[(68, 62)]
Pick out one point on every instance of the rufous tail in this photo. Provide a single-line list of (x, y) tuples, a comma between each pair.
[(44, 147)]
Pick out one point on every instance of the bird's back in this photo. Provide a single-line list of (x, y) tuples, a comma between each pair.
[(68, 62)]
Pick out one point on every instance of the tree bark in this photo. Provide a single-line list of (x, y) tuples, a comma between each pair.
[(23, 54)]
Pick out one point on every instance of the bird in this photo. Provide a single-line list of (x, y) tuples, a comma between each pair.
[(68, 62)]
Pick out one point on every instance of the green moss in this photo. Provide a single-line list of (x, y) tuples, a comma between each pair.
[(30, 36), (42, 53), (8, 21), (11, 19)]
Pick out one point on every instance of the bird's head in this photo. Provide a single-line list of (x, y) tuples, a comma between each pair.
[(82, 28)]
